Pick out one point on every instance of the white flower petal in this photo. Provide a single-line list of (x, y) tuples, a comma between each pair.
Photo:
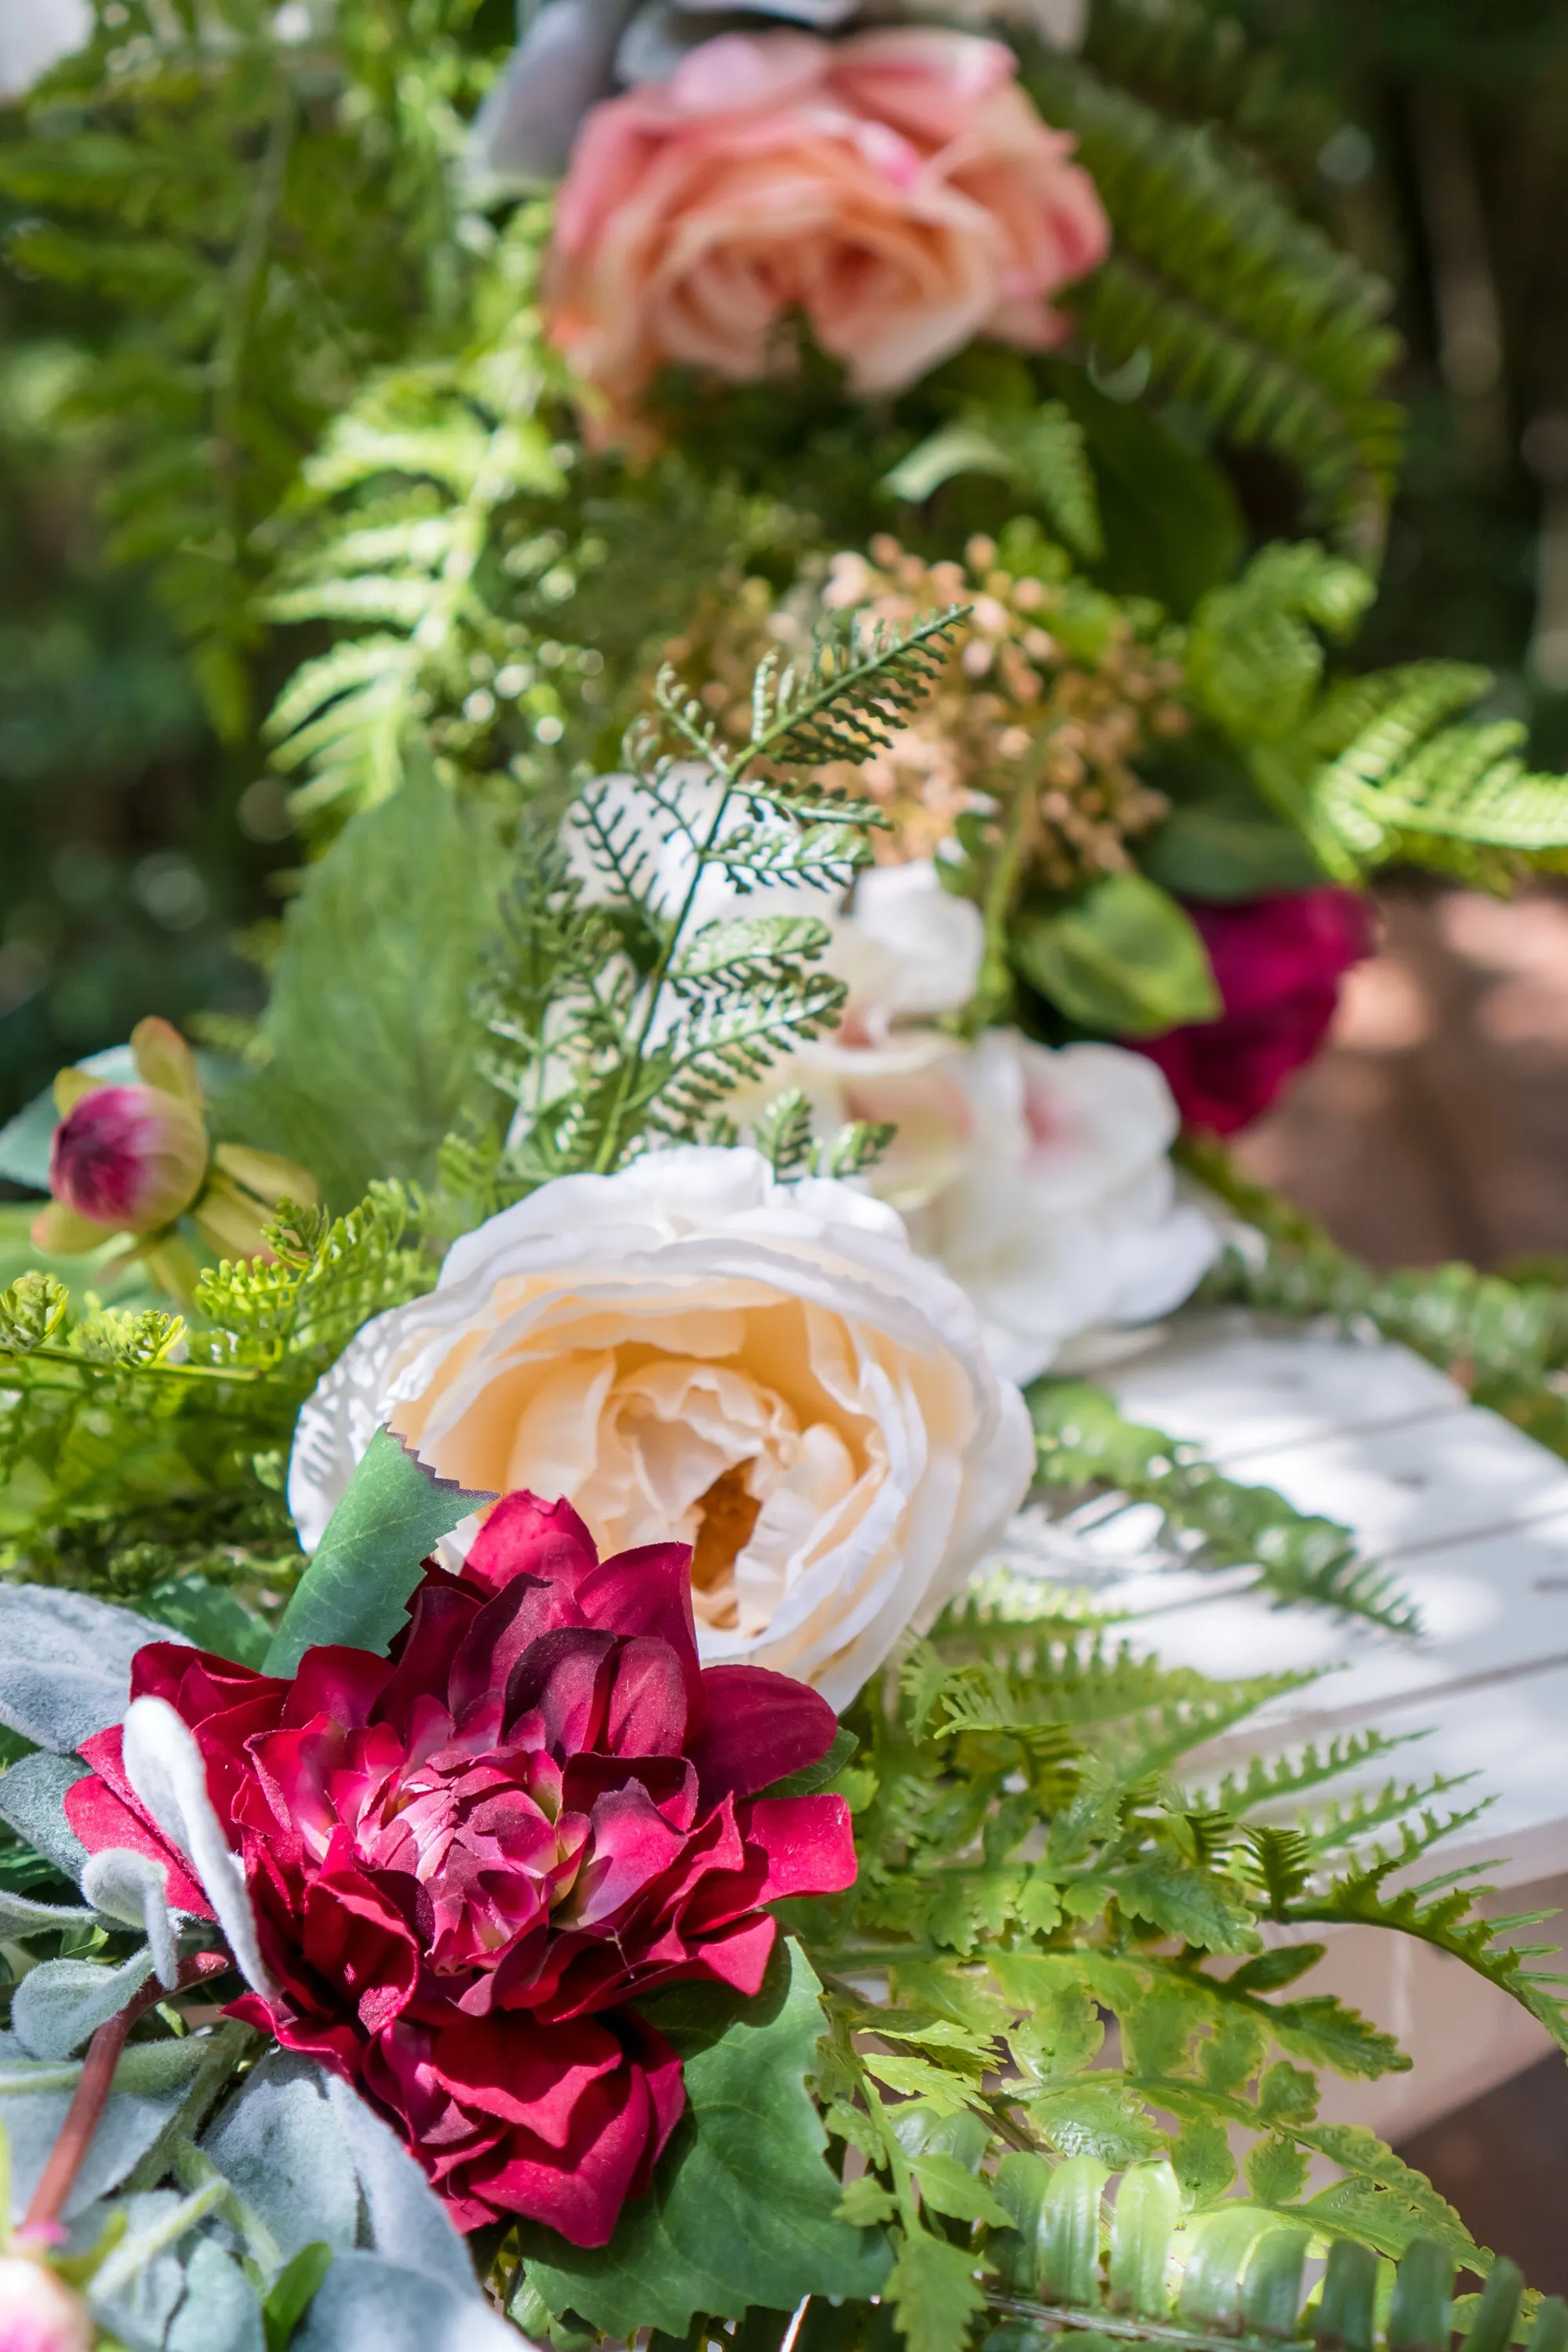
[(631, 1340), (164, 1765)]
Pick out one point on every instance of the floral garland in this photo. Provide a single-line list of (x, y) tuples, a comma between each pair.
[(579, 1835)]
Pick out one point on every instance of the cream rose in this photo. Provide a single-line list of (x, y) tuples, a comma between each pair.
[(692, 1349)]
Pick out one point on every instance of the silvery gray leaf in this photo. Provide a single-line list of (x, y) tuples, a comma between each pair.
[(59, 2005), (561, 67), (368, 2304), (654, 42), (221, 2311), (136, 2299), (65, 1662), (32, 1799), (281, 2146), (407, 2219), (150, 2082), (19, 1916), (133, 1889), (164, 1766)]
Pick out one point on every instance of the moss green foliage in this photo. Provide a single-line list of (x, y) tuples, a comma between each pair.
[(265, 219), (145, 1459), (1083, 1440), (1037, 1860), (1506, 1341)]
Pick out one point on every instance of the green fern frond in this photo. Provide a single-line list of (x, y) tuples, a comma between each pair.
[(1442, 1912), (1501, 1340), (1041, 451), (861, 684), (1410, 785), (1223, 297), (1197, 61), (1082, 1439), (256, 218), (399, 532), (326, 1278)]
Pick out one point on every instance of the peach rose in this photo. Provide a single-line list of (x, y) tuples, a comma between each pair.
[(897, 188), (690, 1350)]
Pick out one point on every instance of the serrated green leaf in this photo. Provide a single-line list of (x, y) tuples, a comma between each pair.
[(949, 2187), (394, 1513), (1125, 960), (370, 1032), (1192, 1904), (934, 2293), (743, 2208)]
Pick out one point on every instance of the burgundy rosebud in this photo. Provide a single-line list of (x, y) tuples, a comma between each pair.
[(469, 1862), (126, 1158), (38, 2313), (133, 1158), (1278, 963), (129, 1159)]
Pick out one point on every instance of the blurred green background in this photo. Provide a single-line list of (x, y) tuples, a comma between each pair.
[(135, 849)]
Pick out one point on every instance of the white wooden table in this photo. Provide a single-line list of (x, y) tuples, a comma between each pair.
[(1472, 1517)]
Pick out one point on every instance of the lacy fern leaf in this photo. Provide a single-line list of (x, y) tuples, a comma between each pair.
[(1227, 301), (209, 182), (398, 534), (1410, 783), (1083, 1439)]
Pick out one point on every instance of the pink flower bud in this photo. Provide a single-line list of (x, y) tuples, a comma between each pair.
[(38, 2313), (129, 1159)]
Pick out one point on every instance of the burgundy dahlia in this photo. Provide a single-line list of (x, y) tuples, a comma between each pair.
[(1278, 963), (469, 1860)]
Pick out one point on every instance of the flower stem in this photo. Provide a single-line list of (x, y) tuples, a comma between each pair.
[(92, 2095)]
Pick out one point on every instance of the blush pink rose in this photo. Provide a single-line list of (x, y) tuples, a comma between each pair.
[(898, 188)]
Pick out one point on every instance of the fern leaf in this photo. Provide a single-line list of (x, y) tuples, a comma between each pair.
[(1083, 1438), (1410, 786), (1230, 302)]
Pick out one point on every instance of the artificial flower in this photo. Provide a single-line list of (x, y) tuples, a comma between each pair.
[(1064, 1217), (1278, 963), (574, 53), (1040, 1178), (766, 1371), (471, 1860), (133, 1158), (38, 2313), (896, 188)]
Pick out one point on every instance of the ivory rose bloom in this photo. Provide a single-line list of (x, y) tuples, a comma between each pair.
[(1065, 1216), (1039, 1178), (690, 1351), (897, 188)]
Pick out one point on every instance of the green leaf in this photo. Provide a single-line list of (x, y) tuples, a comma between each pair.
[(292, 2293), (823, 1773), (934, 2290), (743, 2207), (739, 946), (1171, 524), (949, 2187), (393, 1512), (1192, 1904), (1125, 960), (370, 1032)]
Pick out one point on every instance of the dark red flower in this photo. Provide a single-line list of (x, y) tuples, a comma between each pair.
[(1278, 963), (469, 1860)]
